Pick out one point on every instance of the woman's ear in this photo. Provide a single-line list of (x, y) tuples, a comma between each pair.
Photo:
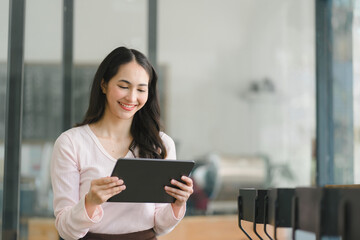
[(103, 86)]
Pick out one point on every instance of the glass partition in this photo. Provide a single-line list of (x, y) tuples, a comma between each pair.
[(237, 84), (4, 29), (356, 87), (94, 36), (42, 111), (239, 94), (98, 29)]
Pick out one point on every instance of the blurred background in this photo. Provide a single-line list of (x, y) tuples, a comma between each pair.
[(237, 86)]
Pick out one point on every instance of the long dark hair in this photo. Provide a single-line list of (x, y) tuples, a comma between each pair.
[(145, 126)]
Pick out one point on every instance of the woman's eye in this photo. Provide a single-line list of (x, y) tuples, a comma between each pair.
[(123, 87), (141, 90)]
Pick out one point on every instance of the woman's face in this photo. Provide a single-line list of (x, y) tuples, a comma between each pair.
[(127, 92)]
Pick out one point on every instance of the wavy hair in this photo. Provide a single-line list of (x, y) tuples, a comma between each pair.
[(145, 127)]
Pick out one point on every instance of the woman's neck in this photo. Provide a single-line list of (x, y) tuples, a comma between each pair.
[(116, 129)]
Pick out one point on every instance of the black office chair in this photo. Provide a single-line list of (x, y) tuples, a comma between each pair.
[(279, 205), (349, 215), (317, 210), (251, 207)]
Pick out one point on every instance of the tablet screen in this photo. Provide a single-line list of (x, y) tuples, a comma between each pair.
[(145, 179)]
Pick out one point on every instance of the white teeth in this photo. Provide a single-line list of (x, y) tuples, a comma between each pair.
[(127, 106)]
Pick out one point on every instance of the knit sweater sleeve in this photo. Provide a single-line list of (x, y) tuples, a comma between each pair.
[(72, 220)]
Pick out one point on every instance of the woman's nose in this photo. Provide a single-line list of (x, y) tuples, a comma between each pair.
[(132, 96)]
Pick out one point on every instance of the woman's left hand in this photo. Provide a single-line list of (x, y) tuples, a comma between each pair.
[(181, 195)]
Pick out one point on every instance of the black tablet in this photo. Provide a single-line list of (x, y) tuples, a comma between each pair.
[(145, 179)]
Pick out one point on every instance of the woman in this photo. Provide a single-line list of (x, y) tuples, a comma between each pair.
[(122, 121)]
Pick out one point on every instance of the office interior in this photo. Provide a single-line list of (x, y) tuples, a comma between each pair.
[(242, 87)]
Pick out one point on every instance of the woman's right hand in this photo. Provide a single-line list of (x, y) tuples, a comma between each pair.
[(101, 190)]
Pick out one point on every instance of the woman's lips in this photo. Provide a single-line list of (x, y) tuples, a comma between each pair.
[(127, 107)]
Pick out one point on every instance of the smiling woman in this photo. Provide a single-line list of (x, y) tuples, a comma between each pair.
[(122, 121), (130, 93)]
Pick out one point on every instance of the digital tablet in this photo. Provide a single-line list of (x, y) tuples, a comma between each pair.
[(145, 179)]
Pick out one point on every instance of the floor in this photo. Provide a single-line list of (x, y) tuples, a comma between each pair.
[(206, 228), (224, 227), (219, 228)]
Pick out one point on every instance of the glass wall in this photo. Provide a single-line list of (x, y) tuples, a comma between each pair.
[(239, 94), (98, 29), (42, 113), (356, 74), (120, 23), (237, 80), (4, 23)]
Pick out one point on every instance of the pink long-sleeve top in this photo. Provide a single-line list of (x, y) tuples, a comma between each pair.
[(78, 158)]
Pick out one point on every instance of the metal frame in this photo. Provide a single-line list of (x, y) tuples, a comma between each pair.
[(334, 97), (152, 32), (68, 29), (14, 96), (153, 49)]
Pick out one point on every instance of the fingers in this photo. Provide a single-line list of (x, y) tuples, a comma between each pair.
[(108, 193), (182, 194), (187, 186), (103, 188), (107, 182)]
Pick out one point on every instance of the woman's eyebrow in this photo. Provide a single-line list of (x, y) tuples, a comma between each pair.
[(127, 82)]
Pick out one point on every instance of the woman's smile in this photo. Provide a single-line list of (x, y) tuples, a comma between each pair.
[(127, 107)]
